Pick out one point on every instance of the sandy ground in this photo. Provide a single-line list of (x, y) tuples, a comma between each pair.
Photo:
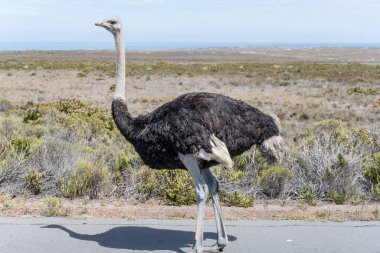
[(145, 94)]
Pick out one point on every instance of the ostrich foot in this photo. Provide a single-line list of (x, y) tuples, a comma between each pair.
[(214, 248), (194, 250)]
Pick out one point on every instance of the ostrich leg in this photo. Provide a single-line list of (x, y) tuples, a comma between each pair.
[(212, 184), (201, 190)]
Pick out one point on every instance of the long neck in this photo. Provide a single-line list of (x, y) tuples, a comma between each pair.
[(120, 66), (121, 116)]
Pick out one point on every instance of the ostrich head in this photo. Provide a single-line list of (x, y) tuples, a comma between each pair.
[(273, 149), (113, 25)]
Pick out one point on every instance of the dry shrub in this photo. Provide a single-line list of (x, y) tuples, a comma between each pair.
[(329, 158), (7, 127), (12, 169), (73, 149), (54, 159), (5, 105)]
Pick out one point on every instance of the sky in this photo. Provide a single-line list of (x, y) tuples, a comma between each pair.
[(258, 21)]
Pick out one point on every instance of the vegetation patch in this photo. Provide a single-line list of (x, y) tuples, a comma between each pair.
[(53, 206), (34, 181), (86, 179), (236, 198), (280, 74), (372, 174), (73, 149), (364, 91)]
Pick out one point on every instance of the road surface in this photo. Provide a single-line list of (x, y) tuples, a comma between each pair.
[(59, 235)]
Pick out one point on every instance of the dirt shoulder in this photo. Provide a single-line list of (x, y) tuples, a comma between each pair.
[(120, 208)]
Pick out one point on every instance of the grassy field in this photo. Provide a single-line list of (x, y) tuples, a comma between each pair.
[(57, 137)]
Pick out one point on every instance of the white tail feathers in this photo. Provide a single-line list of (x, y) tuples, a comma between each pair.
[(276, 121), (219, 153)]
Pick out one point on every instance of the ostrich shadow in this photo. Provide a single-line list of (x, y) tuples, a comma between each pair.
[(141, 238)]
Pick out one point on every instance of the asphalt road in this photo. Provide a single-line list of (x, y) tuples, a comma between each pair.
[(47, 235)]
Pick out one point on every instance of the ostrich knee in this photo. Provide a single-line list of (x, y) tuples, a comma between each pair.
[(202, 193)]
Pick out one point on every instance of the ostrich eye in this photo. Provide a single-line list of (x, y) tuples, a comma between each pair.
[(112, 22)]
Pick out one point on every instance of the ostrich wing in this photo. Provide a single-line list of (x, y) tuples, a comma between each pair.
[(219, 153)]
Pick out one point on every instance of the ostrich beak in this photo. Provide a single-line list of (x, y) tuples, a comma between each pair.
[(99, 24), (273, 149)]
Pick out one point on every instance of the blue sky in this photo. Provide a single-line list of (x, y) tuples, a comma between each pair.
[(298, 21)]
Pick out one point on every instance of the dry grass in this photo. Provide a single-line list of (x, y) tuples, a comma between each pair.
[(301, 100), (302, 94)]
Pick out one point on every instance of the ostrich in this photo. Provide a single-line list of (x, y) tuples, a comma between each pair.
[(193, 132)]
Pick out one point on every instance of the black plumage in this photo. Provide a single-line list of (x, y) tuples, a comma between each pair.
[(186, 124)]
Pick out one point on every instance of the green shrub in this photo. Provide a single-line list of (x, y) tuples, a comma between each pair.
[(372, 174), (309, 195), (237, 199), (86, 71), (234, 175), (147, 184), (243, 160), (96, 175), (282, 82), (122, 167), (364, 91), (3, 145), (22, 145), (341, 161), (339, 196), (376, 212), (304, 116), (69, 105), (53, 206), (375, 190), (26, 145), (174, 187), (31, 115), (34, 181), (81, 74), (177, 188), (272, 180), (72, 185)]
